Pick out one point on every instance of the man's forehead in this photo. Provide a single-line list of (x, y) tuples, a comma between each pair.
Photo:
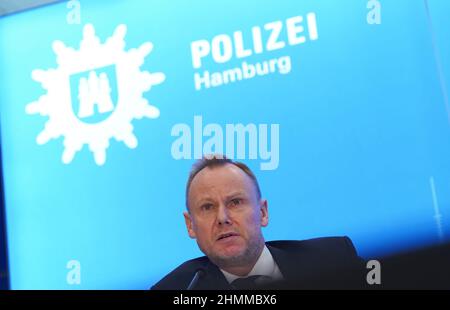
[(220, 178)]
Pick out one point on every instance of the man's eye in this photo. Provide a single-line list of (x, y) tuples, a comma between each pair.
[(206, 207), (236, 201)]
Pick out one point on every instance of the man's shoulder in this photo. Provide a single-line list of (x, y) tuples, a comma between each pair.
[(180, 277), (337, 245), (290, 255), (321, 263)]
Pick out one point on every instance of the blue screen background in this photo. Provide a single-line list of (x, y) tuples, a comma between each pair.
[(364, 136)]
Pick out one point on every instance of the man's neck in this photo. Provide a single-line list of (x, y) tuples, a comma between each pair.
[(244, 269)]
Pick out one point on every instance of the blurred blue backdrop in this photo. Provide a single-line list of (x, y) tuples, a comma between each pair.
[(364, 135)]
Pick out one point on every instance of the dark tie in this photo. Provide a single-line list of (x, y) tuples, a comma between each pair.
[(245, 283)]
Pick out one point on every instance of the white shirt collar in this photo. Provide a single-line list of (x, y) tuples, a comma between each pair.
[(265, 266)]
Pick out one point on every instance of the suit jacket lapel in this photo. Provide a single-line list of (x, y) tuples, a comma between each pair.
[(291, 269), (213, 279)]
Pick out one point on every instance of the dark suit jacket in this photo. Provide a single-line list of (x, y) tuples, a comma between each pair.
[(322, 263)]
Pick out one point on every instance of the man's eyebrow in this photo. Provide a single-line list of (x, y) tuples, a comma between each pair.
[(206, 199), (203, 200), (233, 195)]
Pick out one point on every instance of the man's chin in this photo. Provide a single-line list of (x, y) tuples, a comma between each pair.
[(229, 257), (232, 253)]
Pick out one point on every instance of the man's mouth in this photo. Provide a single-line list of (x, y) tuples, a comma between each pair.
[(227, 235)]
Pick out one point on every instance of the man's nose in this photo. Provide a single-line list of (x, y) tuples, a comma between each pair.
[(223, 216)]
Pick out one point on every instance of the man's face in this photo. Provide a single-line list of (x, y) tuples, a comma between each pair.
[(226, 215)]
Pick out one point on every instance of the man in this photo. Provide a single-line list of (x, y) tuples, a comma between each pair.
[(225, 213)]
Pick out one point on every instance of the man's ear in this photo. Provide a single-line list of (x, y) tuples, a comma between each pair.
[(188, 221), (264, 212)]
